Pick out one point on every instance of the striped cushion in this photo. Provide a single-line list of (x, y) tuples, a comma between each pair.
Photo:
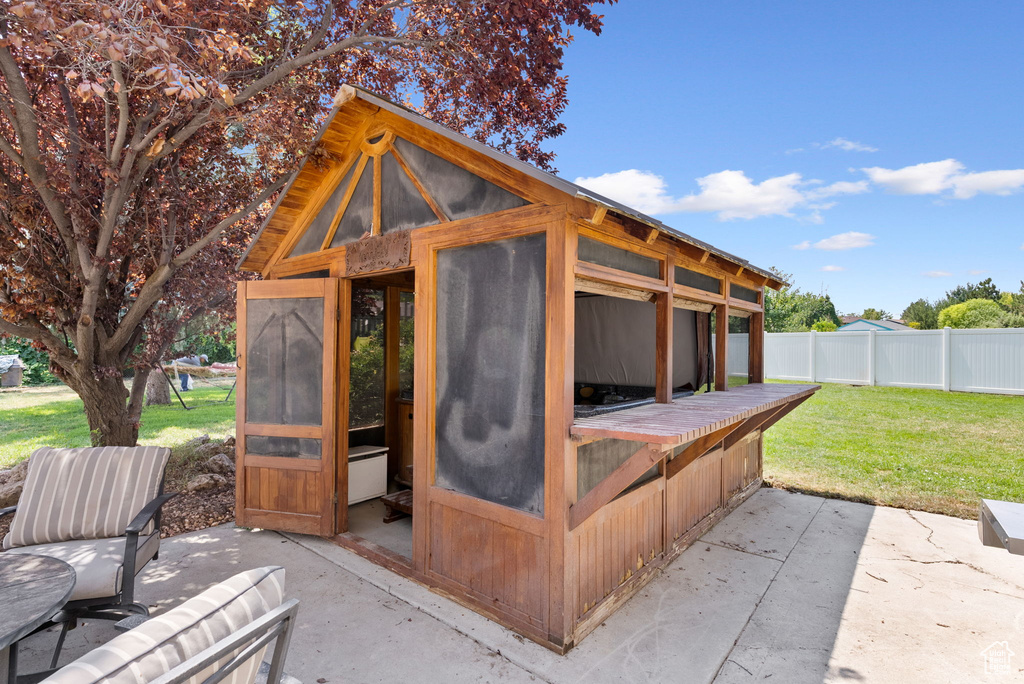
[(165, 641), (90, 493)]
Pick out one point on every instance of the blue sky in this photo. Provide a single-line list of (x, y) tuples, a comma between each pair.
[(874, 149)]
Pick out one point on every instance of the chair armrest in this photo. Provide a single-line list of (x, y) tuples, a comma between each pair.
[(146, 514), (7, 511)]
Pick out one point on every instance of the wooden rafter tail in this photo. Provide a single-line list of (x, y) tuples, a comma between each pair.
[(360, 166), (375, 226), (441, 216), (611, 486)]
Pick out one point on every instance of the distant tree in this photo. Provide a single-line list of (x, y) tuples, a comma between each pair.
[(791, 310), (986, 289), (923, 313), (824, 326), (875, 314), (913, 324), (974, 313)]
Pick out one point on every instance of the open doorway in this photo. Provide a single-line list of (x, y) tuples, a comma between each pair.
[(380, 441)]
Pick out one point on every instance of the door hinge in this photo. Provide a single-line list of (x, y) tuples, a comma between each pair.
[(337, 315), (335, 498)]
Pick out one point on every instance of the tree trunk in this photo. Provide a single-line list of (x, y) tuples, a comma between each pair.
[(158, 391), (106, 408)]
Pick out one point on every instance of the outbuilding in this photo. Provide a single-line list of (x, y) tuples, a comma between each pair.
[(537, 366)]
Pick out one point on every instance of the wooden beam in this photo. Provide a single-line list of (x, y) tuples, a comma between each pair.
[(375, 228), (652, 236), (599, 214), (596, 287), (721, 346), (699, 447), (434, 206), (751, 424), (611, 486), (663, 340), (755, 348), (739, 270), (704, 256), (781, 414), (356, 175)]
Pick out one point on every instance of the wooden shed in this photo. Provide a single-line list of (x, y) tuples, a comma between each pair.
[(544, 372)]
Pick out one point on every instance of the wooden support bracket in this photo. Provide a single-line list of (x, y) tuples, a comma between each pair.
[(698, 448), (611, 486)]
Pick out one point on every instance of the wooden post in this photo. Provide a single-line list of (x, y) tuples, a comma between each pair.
[(721, 347), (392, 424), (755, 352), (663, 356)]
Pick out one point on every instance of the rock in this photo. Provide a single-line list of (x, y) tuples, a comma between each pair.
[(220, 463), (209, 449), (196, 442), (16, 474), (229, 442), (10, 493), (205, 481)]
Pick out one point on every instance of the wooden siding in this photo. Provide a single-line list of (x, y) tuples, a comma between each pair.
[(616, 543), (694, 494), (497, 563)]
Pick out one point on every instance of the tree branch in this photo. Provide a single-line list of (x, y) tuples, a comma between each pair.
[(153, 288)]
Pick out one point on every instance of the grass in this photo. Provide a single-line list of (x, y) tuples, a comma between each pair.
[(919, 449), (53, 416)]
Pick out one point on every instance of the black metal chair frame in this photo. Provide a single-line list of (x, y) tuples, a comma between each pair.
[(122, 604)]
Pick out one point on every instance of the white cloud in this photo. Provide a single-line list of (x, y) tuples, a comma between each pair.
[(848, 145), (851, 240), (979, 271), (641, 190), (937, 274), (832, 269), (840, 188), (806, 244), (933, 178), (733, 195), (730, 194)]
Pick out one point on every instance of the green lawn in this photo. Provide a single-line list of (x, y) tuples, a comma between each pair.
[(919, 449), (53, 416)]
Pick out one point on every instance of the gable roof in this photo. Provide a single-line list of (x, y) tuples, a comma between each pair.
[(352, 100)]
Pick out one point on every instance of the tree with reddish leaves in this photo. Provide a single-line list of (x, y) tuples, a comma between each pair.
[(141, 142)]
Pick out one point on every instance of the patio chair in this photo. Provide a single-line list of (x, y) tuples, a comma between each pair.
[(97, 509), (221, 635)]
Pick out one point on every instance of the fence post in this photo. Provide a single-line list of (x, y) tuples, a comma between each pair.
[(871, 358), (814, 344), (947, 359)]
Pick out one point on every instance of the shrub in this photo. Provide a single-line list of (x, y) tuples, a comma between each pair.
[(974, 313), (824, 325)]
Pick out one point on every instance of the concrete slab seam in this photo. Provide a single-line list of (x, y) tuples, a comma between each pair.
[(768, 588)]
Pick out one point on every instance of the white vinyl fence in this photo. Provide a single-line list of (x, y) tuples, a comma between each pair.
[(980, 360)]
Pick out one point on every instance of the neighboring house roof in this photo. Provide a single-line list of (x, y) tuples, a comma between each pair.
[(348, 94), (887, 324)]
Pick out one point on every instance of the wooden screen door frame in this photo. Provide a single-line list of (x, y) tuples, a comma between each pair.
[(292, 494)]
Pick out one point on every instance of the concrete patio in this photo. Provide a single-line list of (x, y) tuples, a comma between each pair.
[(832, 591)]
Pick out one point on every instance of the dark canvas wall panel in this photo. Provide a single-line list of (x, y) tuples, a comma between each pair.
[(358, 217), (284, 361), (315, 234), (402, 206), (597, 252), (459, 193), (615, 341), (685, 369), (490, 371)]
